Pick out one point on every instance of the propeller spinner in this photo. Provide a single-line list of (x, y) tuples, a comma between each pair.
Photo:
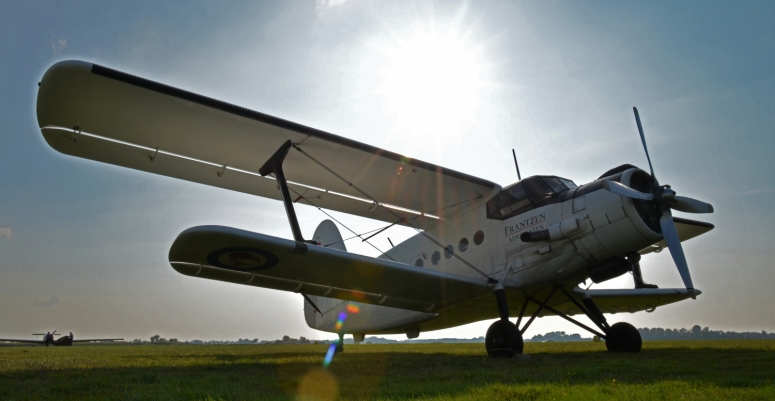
[(666, 199)]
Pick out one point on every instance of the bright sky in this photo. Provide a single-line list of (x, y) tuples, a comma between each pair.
[(83, 246)]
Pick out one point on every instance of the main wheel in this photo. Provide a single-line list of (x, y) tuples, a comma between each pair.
[(625, 338), (340, 345), (503, 340)]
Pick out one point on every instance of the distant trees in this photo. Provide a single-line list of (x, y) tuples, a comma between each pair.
[(699, 333), (155, 338), (556, 336)]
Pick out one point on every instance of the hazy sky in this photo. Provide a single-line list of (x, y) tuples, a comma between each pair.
[(83, 246)]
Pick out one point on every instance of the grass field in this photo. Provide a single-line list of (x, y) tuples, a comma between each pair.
[(667, 370)]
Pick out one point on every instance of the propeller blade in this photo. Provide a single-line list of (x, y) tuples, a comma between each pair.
[(623, 190), (643, 139), (676, 250), (689, 205)]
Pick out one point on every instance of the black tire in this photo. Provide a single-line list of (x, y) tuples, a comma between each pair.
[(625, 338), (340, 346), (503, 340)]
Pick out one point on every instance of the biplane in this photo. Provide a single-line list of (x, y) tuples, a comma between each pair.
[(48, 339), (481, 251)]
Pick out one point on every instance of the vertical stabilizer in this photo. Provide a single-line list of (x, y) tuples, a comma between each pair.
[(326, 235)]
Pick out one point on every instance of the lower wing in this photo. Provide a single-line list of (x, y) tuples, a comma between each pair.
[(242, 257), (629, 300), (21, 341)]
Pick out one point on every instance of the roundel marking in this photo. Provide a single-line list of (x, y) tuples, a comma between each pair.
[(242, 258)]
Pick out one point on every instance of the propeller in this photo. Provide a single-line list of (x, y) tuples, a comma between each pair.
[(643, 139), (689, 205), (676, 250), (666, 199)]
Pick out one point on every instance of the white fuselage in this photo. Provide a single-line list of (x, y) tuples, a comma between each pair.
[(584, 230)]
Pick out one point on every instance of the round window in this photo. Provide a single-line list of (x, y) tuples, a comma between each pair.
[(479, 237), (448, 251), (418, 263), (435, 257), (462, 245)]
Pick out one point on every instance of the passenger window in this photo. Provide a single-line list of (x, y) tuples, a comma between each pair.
[(462, 246), (435, 257), (479, 237), (419, 262), (448, 251)]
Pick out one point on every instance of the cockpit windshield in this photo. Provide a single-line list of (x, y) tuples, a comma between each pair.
[(525, 195)]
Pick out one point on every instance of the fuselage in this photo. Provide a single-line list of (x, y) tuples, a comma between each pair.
[(578, 229)]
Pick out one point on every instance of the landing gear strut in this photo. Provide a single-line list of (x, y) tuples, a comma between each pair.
[(503, 339), (621, 337), (340, 343)]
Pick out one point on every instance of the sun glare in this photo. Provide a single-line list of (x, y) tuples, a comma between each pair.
[(431, 86)]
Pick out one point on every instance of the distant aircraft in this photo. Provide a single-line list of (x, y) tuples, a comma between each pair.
[(481, 251), (48, 339)]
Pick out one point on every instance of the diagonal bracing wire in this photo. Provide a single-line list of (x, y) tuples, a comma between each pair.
[(426, 235), (340, 223)]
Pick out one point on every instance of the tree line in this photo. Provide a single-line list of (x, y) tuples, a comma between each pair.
[(701, 333)]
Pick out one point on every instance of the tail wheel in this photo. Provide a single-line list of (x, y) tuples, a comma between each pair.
[(624, 337), (503, 340)]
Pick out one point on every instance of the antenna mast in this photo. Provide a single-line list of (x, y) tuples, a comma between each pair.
[(516, 164)]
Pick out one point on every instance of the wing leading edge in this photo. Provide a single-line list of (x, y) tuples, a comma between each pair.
[(94, 112)]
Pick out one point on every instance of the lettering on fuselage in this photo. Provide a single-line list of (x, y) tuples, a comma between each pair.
[(530, 224)]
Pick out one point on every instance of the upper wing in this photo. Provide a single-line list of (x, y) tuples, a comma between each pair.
[(687, 229), (242, 257), (94, 112), (98, 339)]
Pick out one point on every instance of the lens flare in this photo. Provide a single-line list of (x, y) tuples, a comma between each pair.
[(329, 355), (340, 321), (318, 385), (353, 308)]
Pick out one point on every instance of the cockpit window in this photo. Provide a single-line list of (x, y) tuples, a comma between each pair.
[(525, 195), (570, 184), (555, 183)]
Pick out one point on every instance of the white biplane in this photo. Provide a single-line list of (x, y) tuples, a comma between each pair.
[(481, 252)]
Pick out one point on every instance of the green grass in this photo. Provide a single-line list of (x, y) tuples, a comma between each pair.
[(667, 370)]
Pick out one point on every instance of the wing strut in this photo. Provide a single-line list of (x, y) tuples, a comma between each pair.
[(275, 165)]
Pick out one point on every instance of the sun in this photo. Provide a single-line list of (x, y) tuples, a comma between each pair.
[(430, 86)]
